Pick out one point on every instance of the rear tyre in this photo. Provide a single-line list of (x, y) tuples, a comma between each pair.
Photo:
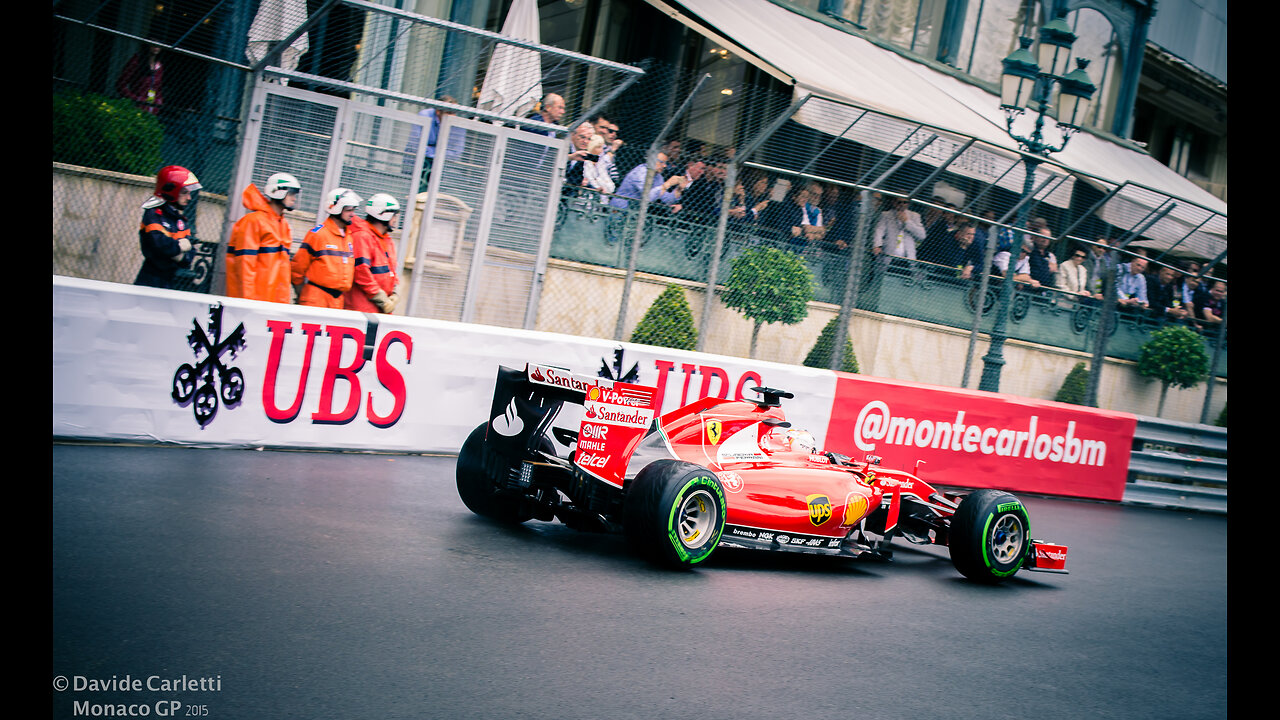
[(989, 536), (674, 513), (480, 472)]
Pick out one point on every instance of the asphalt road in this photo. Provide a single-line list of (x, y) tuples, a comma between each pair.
[(261, 584)]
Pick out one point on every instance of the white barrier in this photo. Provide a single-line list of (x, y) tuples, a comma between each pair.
[(137, 364)]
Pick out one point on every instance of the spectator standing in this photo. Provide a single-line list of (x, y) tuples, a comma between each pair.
[(1131, 283), (662, 191), (141, 79), (1164, 295), (750, 198), (704, 189), (1214, 305), (1021, 267), (324, 266), (674, 150), (1192, 290), (164, 235), (840, 215), (940, 236), (550, 110), (1043, 263), (1074, 276), (1098, 264), (258, 251), (374, 285), (607, 129), (597, 167), (579, 141), (898, 230), (965, 253), (433, 136)]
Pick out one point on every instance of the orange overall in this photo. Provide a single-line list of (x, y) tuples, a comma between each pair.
[(375, 266), (325, 262), (258, 252)]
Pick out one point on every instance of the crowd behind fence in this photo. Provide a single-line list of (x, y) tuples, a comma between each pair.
[(778, 202)]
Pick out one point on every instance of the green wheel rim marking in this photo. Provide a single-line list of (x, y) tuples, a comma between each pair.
[(673, 519), (1010, 523)]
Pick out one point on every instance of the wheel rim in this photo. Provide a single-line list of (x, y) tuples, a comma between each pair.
[(1006, 539), (697, 519)]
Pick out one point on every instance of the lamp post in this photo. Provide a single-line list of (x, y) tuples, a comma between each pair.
[(1027, 84)]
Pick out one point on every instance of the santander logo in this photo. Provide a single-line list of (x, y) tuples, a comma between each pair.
[(508, 424)]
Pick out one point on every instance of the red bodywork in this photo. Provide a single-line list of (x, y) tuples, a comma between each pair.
[(775, 498), (799, 494)]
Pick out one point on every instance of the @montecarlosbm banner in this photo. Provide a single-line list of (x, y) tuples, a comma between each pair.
[(969, 438)]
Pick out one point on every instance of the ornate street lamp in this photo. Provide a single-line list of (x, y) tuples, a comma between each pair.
[(1026, 85)]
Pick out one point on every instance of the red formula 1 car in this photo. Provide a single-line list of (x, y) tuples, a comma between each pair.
[(714, 473)]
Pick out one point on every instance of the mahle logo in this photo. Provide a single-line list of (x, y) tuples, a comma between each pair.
[(819, 509)]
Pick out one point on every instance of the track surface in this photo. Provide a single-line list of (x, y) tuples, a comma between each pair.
[(314, 585)]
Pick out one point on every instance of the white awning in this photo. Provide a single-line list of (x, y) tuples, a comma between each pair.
[(842, 66)]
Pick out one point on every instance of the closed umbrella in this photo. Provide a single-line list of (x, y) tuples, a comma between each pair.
[(513, 81), (275, 20)]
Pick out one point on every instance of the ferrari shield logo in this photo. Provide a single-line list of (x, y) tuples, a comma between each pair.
[(819, 509), (713, 432)]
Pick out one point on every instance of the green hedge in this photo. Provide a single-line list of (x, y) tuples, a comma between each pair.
[(97, 131), (668, 323), (820, 355), (1074, 386)]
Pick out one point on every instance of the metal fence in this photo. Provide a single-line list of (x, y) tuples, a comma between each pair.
[(811, 207), (811, 220)]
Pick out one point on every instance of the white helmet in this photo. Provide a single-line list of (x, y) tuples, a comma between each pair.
[(340, 199), (278, 186), (381, 207), (801, 441)]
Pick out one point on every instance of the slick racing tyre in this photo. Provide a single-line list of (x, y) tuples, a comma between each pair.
[(989, 536), (673, 514), (479, 472)]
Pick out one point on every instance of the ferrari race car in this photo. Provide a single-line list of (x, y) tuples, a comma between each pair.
[(717, 473)]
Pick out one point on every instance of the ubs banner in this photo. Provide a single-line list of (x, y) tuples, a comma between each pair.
[(139, 364), (975, 439)]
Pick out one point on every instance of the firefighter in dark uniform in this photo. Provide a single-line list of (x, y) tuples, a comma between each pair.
[(165, 234)]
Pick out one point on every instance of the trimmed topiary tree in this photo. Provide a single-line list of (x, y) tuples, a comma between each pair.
[(1176, 357), (668, 322), (769, 285), (1074, 386), (820, 355)]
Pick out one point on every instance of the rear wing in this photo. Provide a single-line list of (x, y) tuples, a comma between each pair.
[(616, 416)]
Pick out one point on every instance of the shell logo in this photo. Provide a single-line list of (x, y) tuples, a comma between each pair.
[(854, 508), (593, 393)]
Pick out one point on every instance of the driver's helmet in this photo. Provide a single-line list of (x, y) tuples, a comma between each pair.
[(781, 439), (801, 441)]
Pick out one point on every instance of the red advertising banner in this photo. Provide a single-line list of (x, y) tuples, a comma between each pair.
[(969, 438)]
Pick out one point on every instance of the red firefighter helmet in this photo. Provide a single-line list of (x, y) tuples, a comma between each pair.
[(172, 179)]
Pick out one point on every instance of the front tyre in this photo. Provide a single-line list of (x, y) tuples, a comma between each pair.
[(989, 536), (480, 470), (674, 513)]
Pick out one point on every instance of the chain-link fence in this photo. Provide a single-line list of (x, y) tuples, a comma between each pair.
[(841, 237), (832, 235)]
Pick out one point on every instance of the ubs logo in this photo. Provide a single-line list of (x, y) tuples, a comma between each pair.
[(209, 380)]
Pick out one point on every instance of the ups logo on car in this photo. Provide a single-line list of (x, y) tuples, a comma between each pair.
[(819, 509)]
